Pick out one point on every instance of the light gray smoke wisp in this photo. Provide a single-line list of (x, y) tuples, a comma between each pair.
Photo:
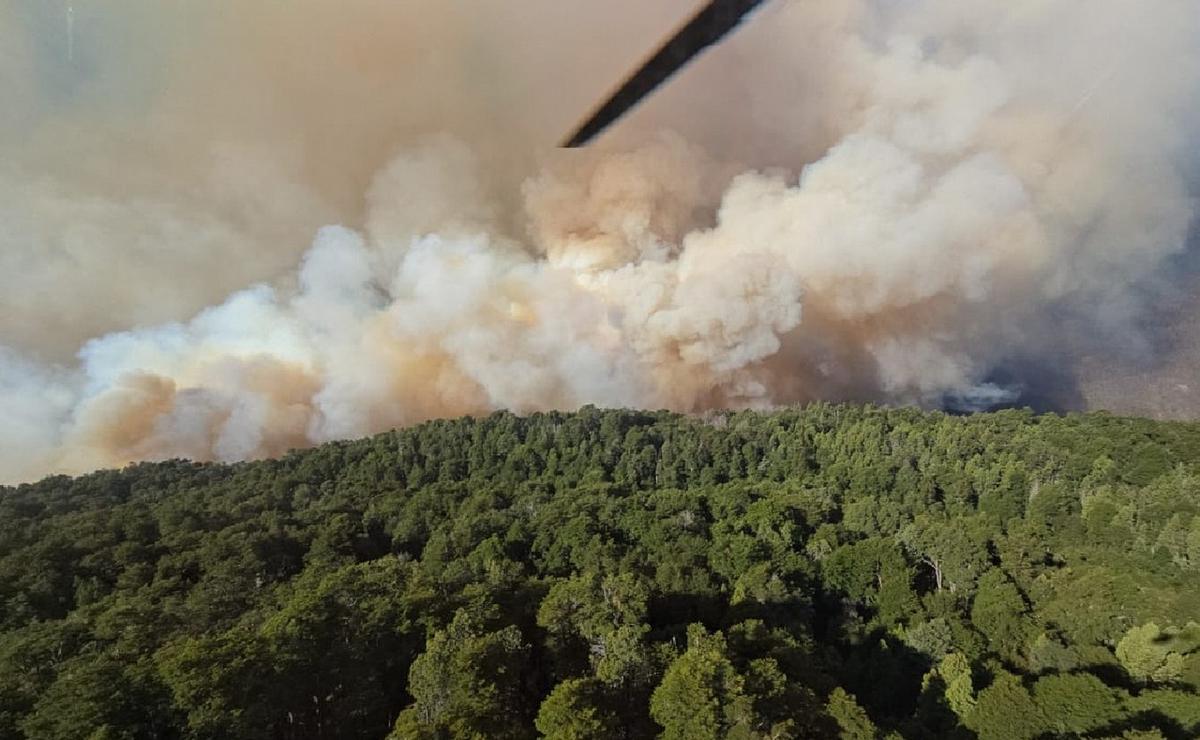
[(854, 199)]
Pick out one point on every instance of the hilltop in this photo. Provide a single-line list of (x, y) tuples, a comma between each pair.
[(830, 571)]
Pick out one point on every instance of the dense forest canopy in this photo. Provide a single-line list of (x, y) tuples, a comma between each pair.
[(831, 571)]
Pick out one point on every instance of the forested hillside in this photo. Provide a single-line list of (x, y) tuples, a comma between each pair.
[(833, 571)]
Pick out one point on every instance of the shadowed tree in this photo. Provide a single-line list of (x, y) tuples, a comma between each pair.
[(467, 684)]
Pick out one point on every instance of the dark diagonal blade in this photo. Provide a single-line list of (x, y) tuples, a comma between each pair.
[(714, 22)]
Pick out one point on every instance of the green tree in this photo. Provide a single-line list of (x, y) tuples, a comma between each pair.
[(909, 559), (955, 552), (874, 571), (607, 613), (702, 696), (955, 672), (1180, 707), (95, 697), (346, 642), (1076, 703), (1006, 711), (999, 612), (575, 710), (222, 682), (852, 720), (1151, 654), (467, 682)]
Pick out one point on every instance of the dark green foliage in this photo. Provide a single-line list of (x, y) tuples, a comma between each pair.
[(467, 683), (1006, 711), (832, 571), (999, 611), (852, 722), (576, 710), (702, 696), (1076, 703)]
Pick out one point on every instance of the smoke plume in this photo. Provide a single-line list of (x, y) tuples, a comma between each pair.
[(231, 228)]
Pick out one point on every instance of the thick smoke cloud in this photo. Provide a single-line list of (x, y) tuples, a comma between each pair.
[(855, 199)]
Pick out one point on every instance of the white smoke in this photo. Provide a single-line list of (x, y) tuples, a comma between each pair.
[(902, 198)]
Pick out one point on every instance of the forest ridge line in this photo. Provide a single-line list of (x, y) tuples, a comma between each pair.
[(830, 571)]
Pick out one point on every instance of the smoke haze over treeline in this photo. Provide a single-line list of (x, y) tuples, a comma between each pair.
[(231, 228)]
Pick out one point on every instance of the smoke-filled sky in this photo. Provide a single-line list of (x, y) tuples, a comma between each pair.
[(233, 227)]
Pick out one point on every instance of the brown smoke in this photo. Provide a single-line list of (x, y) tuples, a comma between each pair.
[(849, 199)]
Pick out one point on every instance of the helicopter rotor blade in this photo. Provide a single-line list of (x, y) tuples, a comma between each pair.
[(712, 23)]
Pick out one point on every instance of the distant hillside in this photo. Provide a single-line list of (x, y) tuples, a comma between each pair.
[(833, 571)]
